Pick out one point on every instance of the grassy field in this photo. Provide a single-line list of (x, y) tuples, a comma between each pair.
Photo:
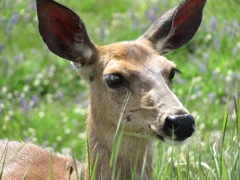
[(42, 98)]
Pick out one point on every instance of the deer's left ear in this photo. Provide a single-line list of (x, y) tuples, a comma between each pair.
[(176, 27), (64, 32)]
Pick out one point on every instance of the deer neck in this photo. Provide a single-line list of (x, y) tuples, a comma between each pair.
[(134, 155)]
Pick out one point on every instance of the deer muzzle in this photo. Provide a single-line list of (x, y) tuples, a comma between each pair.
[(180, 127)]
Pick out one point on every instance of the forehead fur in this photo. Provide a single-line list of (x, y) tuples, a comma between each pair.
[(130, 51), (132, 57)]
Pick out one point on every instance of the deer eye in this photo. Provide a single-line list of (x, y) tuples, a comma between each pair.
[(172, 73), (114, 80)]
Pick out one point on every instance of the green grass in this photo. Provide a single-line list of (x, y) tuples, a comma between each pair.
[(43, 99)]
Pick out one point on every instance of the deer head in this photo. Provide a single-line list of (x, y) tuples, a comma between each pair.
[(137, 67)]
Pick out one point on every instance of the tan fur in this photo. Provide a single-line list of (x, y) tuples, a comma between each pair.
[(21, 159), (150, 101)]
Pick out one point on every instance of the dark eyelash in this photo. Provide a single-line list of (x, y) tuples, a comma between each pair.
[(177, 70)]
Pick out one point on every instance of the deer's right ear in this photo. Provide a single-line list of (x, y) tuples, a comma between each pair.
[(64, 32)]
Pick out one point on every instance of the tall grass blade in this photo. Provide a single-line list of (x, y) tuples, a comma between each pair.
[(117, 139), (216, 161), (6, 162), (15, 154), (75, 164), (201, 164), (134, 172), (91, 170), (51, 167), (25, 175), (3, 160), (225, 120), (161, 155), (144, 166), (93, 175), (236, 106), (236, 163), (172, 163), (224, 170), (89, 157), (179, 171), (188, 162), (235, 166), (172, 153), (114, 154)]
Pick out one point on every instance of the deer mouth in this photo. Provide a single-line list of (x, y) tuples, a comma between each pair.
[(170, 136), (157, 133)]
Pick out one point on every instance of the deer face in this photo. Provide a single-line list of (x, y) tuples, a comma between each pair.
[(137, 68), (152, 109)]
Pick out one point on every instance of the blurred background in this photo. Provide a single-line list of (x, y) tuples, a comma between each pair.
[(42, 99)]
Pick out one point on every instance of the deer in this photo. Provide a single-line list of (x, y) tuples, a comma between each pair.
[(130, 85)]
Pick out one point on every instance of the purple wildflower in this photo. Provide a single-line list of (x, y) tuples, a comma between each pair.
[(152, 14), (34, 101), (213, 23), (14, 19), (24, 105)]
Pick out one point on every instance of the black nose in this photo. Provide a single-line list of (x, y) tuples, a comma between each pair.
[(182, 126)]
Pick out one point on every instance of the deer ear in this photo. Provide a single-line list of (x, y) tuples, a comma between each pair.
[(64, 32), (176, 27)]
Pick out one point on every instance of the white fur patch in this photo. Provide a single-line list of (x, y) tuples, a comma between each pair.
[(77, 67), (87, 52), (173, 142), (161, 46)]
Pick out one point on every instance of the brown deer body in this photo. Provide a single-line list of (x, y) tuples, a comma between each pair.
[(128, 81)]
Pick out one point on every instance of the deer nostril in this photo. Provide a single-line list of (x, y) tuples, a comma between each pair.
[(181, 126)]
